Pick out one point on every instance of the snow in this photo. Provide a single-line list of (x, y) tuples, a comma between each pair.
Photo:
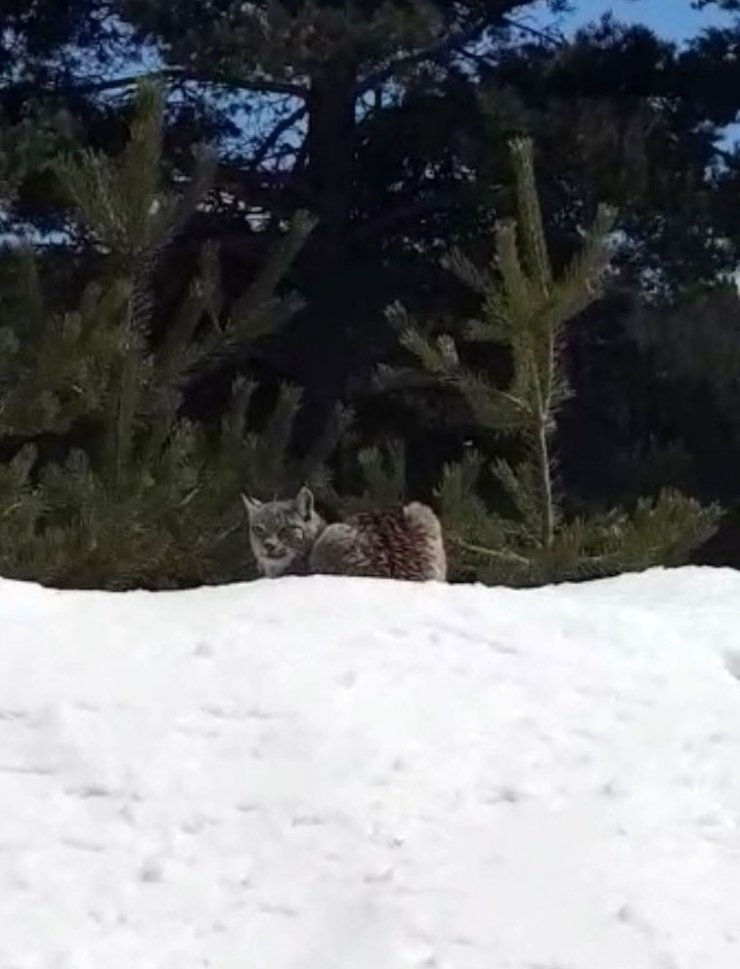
[(351, 774)]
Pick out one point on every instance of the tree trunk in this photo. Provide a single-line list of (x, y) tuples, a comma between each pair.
[(322, 346), (331, 150)]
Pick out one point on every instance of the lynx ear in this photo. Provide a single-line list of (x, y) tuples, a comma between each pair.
[(251, 504), (304, 503)]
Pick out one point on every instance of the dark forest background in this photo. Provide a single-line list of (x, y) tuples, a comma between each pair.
[(196, 281)]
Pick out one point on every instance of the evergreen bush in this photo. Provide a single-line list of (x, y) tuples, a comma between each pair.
[(525, 308), (139, 496)]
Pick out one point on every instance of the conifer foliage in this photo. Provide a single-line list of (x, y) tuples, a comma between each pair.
[(525, 308), (106, 484)]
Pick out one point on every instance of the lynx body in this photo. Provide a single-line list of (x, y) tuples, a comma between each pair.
[(290, 538)]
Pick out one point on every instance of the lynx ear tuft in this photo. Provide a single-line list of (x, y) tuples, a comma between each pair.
[(304, 503), (251, 504)]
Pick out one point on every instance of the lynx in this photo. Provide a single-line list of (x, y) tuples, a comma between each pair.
[(291, 538)]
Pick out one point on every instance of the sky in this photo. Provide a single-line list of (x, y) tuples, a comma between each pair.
[(669, 18)]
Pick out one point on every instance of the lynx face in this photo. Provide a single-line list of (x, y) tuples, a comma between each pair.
[(282, 533)]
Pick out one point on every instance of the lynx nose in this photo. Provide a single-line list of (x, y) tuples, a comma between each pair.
[(270, 544)]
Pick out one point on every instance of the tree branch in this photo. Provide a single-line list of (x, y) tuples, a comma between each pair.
[(263, 188), (558, 39), (504, 556), (294, 89), (730, 158), (434, 52), (404, 213), (276, 134), (449, 44), (258, 85)]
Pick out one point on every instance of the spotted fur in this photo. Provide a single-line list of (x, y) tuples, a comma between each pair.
[(289, 538)]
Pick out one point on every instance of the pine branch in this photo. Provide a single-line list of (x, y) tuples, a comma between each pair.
[(580, 285), (467, 272), (276, 134), (259, 85), (501, 555), (530, 216), (434, 52), (281, 258), (517, 298), (326, 442), (404, 214)]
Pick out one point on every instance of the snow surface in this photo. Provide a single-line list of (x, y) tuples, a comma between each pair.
[(348, 774)]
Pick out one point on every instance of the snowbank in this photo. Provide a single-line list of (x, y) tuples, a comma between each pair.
[(347, 774)]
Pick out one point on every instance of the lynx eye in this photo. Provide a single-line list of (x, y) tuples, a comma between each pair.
[(291, 531)]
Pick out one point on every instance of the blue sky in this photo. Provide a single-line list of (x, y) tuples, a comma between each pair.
[(669, 18)]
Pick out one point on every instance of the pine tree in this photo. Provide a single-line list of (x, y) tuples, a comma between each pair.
[(142, 497), (526, 308)]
